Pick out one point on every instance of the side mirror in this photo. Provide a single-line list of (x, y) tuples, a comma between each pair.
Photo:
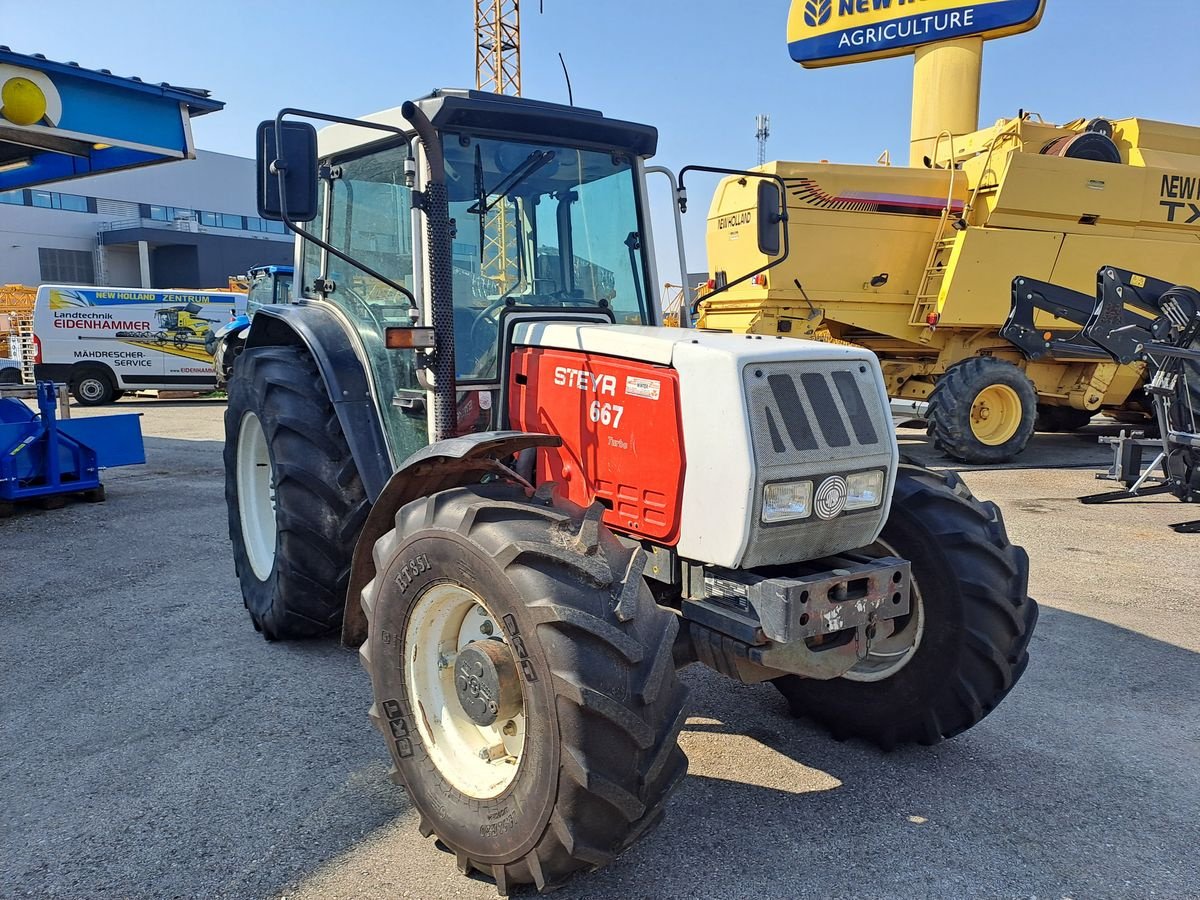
[(287, 171), (770, 218)]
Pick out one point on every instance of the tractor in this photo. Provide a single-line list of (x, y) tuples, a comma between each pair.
[(469, 444)]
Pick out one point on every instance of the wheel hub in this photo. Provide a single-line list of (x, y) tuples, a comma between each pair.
[(996, 414), (486, 682)]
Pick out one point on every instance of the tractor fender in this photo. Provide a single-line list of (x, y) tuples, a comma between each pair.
[(319, 331), (438, 467)]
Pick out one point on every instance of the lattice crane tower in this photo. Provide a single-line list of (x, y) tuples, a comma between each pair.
[(498, 70)]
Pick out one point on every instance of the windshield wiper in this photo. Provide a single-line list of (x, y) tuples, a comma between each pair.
[(536, 160)]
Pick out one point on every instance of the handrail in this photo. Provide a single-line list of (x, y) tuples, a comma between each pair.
[(1006, 131)]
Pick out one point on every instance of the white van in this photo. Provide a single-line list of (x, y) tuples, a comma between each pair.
[(103, 341)]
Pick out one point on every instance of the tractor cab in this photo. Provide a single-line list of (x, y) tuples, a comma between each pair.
[(546, 207)]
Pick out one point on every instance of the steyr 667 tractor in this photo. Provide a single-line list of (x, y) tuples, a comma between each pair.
[(541, 505)]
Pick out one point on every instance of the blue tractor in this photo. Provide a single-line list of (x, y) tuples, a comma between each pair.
[(268, 284)]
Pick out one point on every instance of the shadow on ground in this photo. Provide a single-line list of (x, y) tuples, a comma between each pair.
[(155, 746)]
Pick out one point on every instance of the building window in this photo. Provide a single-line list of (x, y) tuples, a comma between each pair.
[(72, 202), (66, 266), (275, 227), (228, 221), (254, 223), (16, 198), (54, 200), (159, 213), (209, 218)]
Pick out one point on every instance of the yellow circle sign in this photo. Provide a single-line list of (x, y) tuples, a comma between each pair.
[(22, 102)]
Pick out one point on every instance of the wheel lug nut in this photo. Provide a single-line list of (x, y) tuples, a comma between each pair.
[(487, 627), (510, 728)]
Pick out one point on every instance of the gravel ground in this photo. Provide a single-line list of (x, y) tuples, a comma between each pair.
[(152, 745)]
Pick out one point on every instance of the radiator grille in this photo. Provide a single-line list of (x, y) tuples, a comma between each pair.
[(812, 420)]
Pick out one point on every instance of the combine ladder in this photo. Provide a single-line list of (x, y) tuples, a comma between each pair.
[(937, 263)]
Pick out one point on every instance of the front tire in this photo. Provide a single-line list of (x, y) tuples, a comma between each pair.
[(295, 500), (972, 620), (982, 410), (93, 387), (588, 653)]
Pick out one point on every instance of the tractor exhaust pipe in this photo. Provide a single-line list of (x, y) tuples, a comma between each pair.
[(433, 201)]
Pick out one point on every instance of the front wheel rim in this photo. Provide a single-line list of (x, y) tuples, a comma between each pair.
[(995, 414), (890, 654), (91, 389), (256, 496), (480, 761)]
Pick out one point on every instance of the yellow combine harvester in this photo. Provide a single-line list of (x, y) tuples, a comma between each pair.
[(917, 263)]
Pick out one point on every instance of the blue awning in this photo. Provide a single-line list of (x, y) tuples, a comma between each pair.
[(60, 120)]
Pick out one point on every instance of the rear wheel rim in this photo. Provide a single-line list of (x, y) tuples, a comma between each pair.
[(995, 414), (890, 654), (480, 761), (256, 496)]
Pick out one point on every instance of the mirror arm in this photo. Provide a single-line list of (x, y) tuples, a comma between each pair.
[(279, 168), (783, 219)]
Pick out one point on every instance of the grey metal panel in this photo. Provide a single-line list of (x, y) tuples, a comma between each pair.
[(806, 421)]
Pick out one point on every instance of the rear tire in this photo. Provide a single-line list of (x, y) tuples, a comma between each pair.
[(1062, 419), (601, 706), (295, 500), (982, 410), (977, 621)]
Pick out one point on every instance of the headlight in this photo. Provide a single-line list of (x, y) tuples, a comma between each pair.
[(864, 489), (787, 500)]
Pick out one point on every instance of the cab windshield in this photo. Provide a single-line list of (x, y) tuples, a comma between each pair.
[(538, 225), (533, 225)]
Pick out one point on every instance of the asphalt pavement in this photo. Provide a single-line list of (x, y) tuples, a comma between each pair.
[(152, 745)]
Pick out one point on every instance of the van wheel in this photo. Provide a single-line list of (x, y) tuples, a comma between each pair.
[(296, 503), (93, 387)]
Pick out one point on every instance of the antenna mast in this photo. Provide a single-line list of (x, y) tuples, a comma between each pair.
[(763, 126)]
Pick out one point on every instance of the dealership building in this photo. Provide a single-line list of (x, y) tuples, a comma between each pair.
[(189, 224)]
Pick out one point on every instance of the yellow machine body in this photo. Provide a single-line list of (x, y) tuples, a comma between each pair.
[(917, 263)]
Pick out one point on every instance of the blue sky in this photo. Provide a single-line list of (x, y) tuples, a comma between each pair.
[(699, 70)]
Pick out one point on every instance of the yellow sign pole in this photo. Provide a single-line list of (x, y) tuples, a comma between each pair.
[(946, 79)]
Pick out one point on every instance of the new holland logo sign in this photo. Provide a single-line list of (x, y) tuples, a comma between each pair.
[(831, 32)]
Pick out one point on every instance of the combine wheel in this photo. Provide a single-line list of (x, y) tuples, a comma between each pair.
[(982, 410), (295, 500), (963, 646), (523, 681), (1062, 419)]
